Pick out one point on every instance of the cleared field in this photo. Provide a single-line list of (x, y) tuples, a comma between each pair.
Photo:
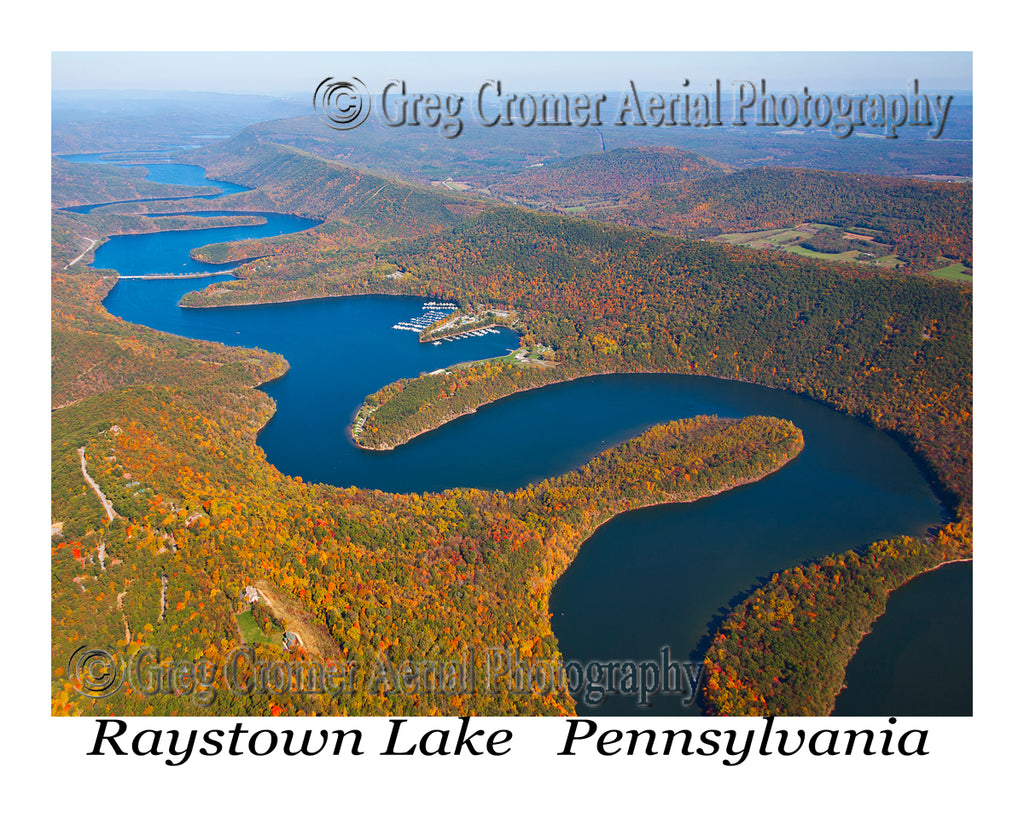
[(845, 256), (534, 356), (789, 239), (252, 633), (953, 272), (772, 237), (315, 636)]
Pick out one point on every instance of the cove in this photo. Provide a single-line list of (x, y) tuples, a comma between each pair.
[(654, 578)]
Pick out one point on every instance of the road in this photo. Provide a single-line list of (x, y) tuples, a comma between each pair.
[(111, 514), (92, 244)]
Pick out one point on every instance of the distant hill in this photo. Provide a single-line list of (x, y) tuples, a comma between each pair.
[(423, 154), (479, 154), (287, 179), (91, 121), (605, 176), (922, 219)]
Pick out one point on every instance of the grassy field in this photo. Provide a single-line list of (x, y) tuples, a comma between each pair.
[(252, 633), (846, 256), (535, 357), (954, 272), (789, 239), (767, 237)]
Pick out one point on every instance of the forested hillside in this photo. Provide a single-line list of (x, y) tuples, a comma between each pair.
[(892, 348), (924, 220), (610, 175), (293, 181), (784, 649)]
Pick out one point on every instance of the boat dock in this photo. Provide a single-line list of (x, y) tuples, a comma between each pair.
[(433, 311)]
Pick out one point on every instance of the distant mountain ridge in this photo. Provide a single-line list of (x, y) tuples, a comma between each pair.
[(609, 175), (291, 180)]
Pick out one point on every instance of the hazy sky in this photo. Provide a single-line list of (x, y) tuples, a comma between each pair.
[(278, 73)]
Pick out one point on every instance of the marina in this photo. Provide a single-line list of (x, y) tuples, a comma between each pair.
[(468, 334), (433, 311)]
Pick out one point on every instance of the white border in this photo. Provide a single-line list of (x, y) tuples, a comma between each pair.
[(969, 756)]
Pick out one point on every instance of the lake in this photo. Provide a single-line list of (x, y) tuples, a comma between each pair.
[(149, 254), (646, 580), (168, 173)]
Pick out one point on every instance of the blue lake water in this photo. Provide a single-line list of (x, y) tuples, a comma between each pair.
[(168, 173), (646, 580), (143, 254)]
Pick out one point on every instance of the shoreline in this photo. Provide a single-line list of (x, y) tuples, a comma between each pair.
[(871, 625), (162, 276), (292, 300), (670, 499), (946, 497), (472, 410)]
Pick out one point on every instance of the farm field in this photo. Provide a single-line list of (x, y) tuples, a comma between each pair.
[(791, 239), (954, 272)]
